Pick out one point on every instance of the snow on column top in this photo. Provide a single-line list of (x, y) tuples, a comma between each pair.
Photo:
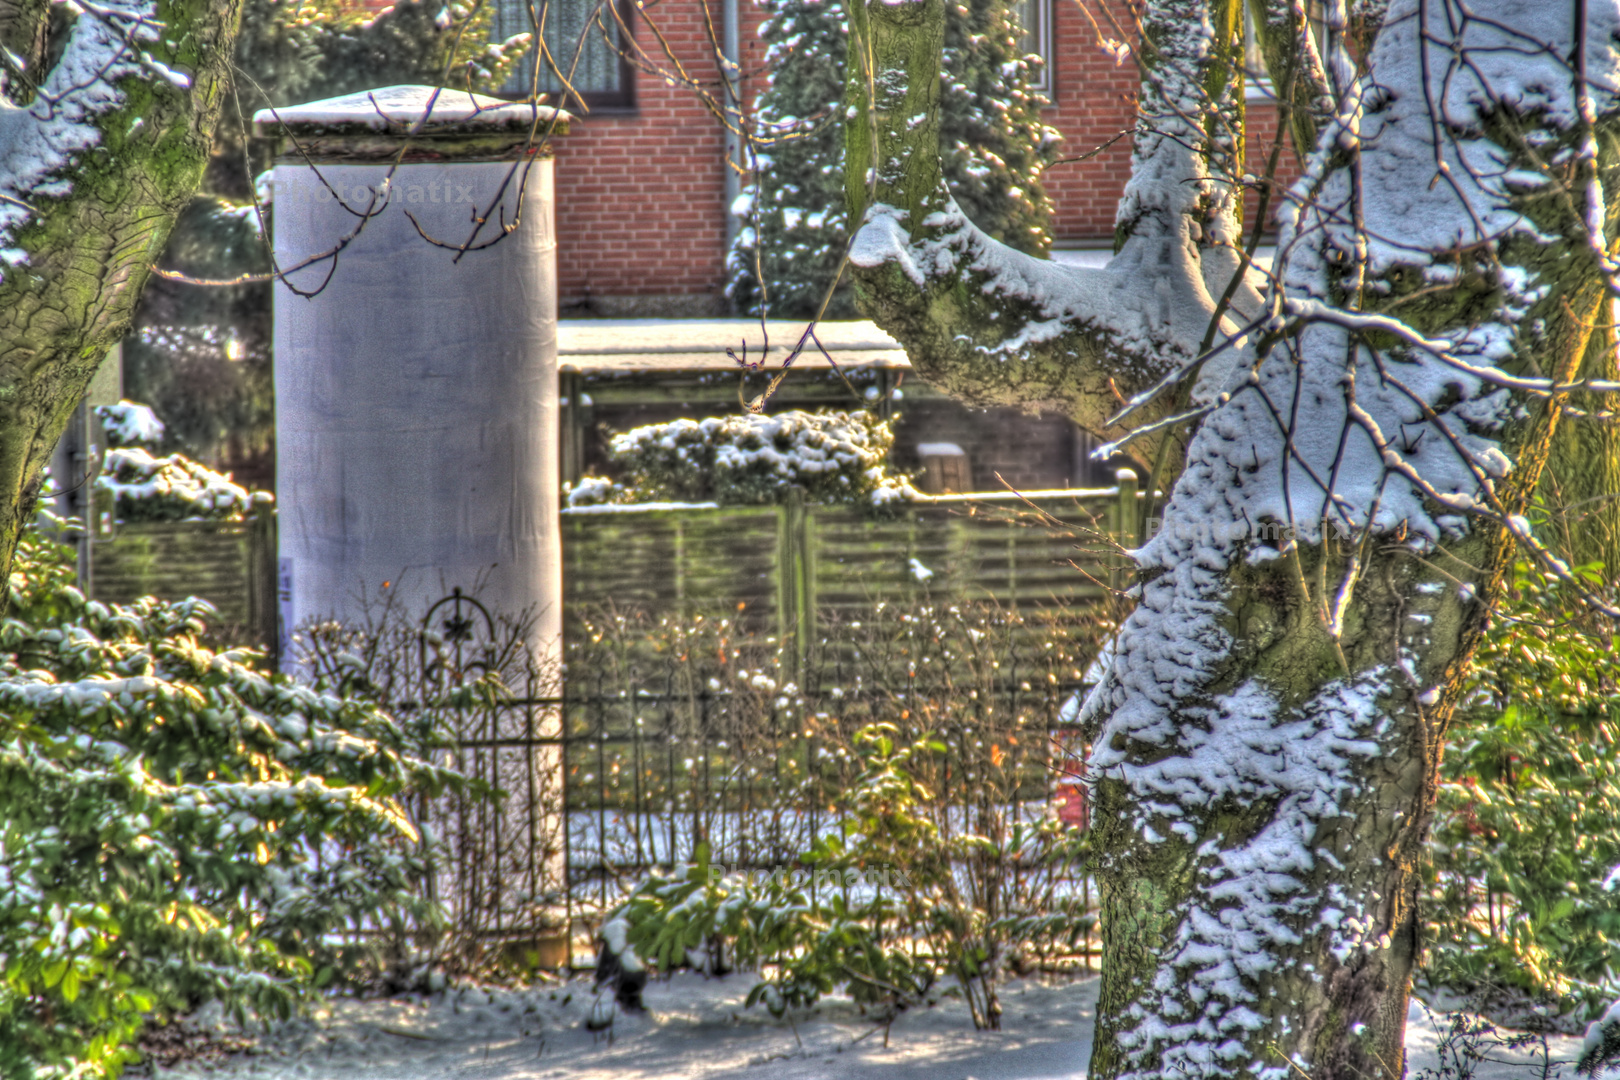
[(414, 112)]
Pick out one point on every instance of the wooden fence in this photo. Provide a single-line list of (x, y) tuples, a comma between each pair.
[(229, 564), (788, 562), (785, 563)]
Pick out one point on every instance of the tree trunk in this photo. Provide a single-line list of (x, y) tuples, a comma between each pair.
[(1362, 441), (92, 175)]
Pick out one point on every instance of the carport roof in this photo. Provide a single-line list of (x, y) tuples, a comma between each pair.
[(646, 345)]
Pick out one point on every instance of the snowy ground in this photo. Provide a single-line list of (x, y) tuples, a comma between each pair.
[(697, 1029)]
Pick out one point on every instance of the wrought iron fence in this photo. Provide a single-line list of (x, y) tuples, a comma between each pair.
[(664, 735), (651, 774)]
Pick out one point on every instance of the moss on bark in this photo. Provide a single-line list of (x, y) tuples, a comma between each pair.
[(1333, 1004), (90, 251)]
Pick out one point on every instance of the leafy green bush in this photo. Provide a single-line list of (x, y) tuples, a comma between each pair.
[(1526, 853), (893, 779), (177, 826), (836, 457), (892, 905)]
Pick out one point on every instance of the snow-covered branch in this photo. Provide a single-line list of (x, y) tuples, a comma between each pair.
[(992, 325)]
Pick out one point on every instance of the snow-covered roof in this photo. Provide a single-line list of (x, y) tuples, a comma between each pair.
[(397, 108), (621, 345)]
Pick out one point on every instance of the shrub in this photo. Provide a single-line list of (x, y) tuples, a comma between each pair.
[(1526, 854), (836, 457), (130, 423), (172, 488), (178, 826), (143, 486), (910, 747), (897, 907)]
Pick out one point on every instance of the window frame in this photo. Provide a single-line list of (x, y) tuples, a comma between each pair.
[(1037, 40)]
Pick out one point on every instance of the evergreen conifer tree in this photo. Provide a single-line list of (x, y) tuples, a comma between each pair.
[(992, 143)]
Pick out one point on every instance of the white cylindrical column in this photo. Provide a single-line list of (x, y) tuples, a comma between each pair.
[(416, 424), (416, 390)]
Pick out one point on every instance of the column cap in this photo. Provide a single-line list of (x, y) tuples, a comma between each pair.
[(432, 123)]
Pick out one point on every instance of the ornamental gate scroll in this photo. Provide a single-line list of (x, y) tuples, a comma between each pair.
[(500, 871)]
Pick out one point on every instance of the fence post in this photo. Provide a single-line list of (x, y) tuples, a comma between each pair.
[(571, 385), (679, 542), (795, 591), (263, 608), (804, 578), (1126, 525)]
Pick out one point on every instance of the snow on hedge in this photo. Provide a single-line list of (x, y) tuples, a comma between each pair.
[(172, 488), (146, 486), (836, 457)]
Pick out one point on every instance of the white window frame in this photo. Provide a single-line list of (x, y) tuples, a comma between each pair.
[(1037, 39)]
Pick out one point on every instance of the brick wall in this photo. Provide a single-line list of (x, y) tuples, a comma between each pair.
[(1093, 99), (641, 193)]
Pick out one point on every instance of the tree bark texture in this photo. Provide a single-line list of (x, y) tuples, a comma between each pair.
[(1354, 463), (98, 164)]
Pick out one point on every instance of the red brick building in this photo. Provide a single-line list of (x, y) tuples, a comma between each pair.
[(641, 185)]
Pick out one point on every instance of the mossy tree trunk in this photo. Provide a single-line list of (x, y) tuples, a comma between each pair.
[(1361, 445), (124, 151)]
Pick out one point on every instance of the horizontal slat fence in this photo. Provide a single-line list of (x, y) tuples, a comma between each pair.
[(788, 561), (229, 564), (783, 563)]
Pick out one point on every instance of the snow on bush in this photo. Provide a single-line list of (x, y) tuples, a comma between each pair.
[(1600, 1050), (836, 457), (150, 487), (172, 488), (130, 424), (162, 805)]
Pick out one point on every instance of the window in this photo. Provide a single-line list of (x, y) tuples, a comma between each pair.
[(1035, 16), (601, 74)]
